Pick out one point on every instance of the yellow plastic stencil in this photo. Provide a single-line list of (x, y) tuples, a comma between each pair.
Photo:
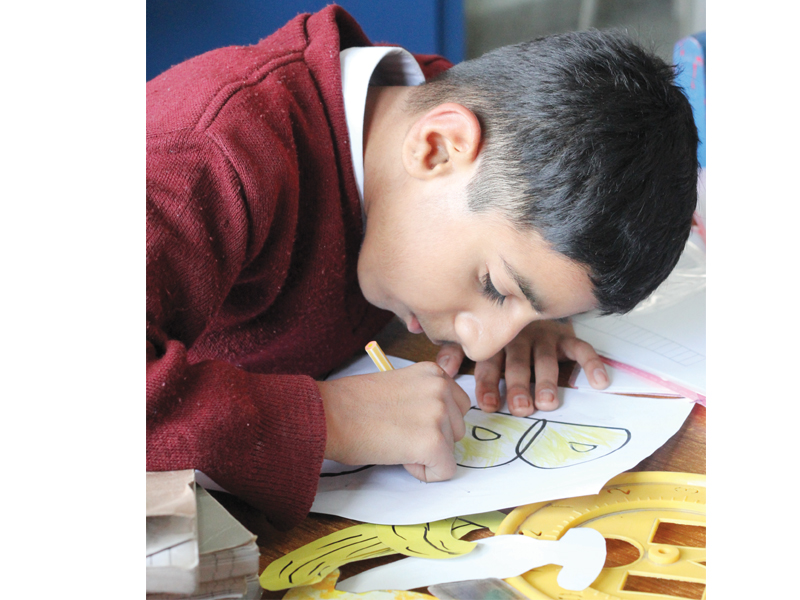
[(633, 508)]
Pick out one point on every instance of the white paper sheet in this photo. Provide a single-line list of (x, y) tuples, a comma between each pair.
[(664, 335), (508, 461), (623, 383), (581, 551)]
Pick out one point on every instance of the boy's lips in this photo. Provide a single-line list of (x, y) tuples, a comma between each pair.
[(413, 324)]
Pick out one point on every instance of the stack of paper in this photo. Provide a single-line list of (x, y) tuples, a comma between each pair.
[(172, 548), (195, 548), (622, 382)]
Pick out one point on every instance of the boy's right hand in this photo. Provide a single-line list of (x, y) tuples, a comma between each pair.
[(411, 416)]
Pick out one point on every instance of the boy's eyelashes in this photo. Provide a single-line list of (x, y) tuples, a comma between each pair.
[(490, 291)]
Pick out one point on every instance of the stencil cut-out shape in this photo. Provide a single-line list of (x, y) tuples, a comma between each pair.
[(429, 540), (496, 439), (466, 523), (315, 561), (580, 551), (326, 590)]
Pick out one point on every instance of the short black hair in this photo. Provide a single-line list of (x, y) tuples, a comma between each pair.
[(589, 142)]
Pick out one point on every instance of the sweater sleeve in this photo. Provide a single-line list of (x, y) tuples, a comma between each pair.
[(261, 437)]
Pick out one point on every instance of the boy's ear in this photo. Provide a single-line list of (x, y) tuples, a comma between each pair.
[(444, 139)]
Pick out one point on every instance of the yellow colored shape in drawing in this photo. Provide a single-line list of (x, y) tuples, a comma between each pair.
[(560, 445), (496, 439), (491, 439)]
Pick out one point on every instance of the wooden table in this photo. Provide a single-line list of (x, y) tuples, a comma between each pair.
[(684, 452)]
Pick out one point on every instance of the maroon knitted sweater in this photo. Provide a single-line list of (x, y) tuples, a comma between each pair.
[(253, 233)]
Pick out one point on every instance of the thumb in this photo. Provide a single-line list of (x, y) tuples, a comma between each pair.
[(450, 358)]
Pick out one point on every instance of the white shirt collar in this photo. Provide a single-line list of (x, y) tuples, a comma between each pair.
[(362, 67)]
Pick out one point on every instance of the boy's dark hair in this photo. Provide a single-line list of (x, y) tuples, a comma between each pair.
[(589, 142)]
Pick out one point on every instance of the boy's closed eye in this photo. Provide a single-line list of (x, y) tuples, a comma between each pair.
[(490, 291)]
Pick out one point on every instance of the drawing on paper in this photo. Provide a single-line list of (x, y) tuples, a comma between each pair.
[(497, 439)]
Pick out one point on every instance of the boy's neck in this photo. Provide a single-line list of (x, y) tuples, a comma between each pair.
[(385, 124)]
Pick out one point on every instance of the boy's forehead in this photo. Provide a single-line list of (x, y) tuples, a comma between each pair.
[(552, 282)]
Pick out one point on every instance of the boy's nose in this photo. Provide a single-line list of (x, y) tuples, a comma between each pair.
[(482, 337)]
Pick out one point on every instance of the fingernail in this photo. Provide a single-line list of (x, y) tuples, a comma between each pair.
[(547, 397), (490, 401), (521, 402), (442, 361), (600, 376)]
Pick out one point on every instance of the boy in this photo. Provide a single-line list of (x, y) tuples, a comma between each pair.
[(292, 210)]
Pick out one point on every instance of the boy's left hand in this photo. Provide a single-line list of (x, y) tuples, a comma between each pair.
[(542, 344)]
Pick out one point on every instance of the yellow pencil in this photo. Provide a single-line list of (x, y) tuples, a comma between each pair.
[(378, 357)]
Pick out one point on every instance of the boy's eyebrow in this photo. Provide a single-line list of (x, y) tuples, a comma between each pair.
[(525, 287)]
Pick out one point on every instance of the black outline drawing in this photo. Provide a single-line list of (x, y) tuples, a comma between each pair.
[(533, 432), (337, 473), (536, 429)]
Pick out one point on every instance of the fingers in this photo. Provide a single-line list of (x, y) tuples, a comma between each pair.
[(437, 461), (440, 468), (487, 382), (414, 416), (545, 365), (518, 379), (583, 353), (455, 413), (459, 397), (417, 471), (450, 357)]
